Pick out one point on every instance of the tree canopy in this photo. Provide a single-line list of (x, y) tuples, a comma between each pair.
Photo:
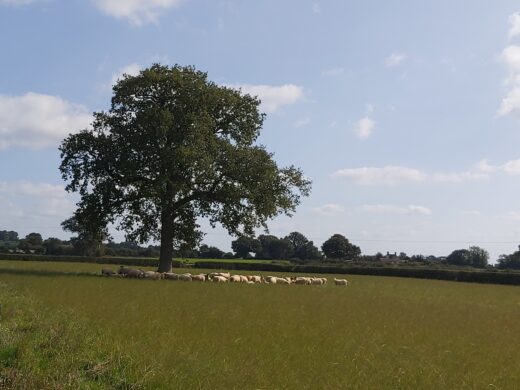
[(339, 247), (174, 147)]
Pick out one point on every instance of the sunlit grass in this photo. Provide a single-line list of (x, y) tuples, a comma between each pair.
[(378, 332)]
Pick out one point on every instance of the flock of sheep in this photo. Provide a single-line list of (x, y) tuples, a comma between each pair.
[(218, 277)]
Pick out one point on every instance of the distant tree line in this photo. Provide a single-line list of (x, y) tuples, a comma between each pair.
[(294, 246)]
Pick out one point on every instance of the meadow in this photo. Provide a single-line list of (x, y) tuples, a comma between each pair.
[(379, 332)]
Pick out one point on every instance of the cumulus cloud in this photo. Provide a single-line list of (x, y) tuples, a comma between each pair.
[(364, 127), (130, 70), (137, 12), (273, 97), (391, 175), (329, 209), (394, 59), (510, 56), (30, 202), (395, 209), (388, 175), (514, 23), (37, 121)]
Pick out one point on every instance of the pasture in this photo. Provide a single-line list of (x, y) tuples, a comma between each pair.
[(379, 332)]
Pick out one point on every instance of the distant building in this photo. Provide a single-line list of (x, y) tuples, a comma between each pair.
[(390, 258)]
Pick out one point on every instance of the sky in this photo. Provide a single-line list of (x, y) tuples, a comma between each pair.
[(405, 114)]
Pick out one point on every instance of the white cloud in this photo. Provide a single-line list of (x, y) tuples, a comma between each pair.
[(27, 188), (273, 97), (364, 127), (514, 22), (30, 203), (511, 102), (37, 121), (130, 70), (301, 123), (389, 175), (137, 12), (316, 8), (395, 59), (329, 209), (511, 167), (394, 209)]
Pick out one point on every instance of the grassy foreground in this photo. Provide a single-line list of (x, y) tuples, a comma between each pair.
[(379, 332)]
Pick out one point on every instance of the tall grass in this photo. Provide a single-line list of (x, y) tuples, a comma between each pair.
[(376, 333)]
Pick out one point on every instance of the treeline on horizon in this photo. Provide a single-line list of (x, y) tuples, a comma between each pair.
[(294, 247)]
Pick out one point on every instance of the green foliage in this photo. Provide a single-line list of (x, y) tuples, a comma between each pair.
[(303, 249), (339, 247), (8, 235), (243, 246), (210, 252), (174, 147), (511, 261), (272, 247), (474, 257)]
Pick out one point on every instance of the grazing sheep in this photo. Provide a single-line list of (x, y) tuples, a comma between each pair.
[(340, 282), (171, 276), (243, 279), (219, 279), (235, 279), (153, 275), (134, 273), (256, 279), (250, 282), (302, 280), (198, 278), (107, 272), (185, 277), (123, 270), (282, 281)]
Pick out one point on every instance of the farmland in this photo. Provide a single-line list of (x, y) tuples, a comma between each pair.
[(379, 332)]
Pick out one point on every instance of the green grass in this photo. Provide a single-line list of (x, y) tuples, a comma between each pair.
[(379, 332)]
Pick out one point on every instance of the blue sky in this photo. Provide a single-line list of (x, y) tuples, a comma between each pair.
[(405, 114)]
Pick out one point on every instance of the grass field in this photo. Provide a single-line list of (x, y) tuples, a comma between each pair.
[(379, 332)]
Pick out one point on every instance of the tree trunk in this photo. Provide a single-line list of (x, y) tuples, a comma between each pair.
[(166, 255)]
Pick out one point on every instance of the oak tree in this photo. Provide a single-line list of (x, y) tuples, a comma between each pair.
[(175, 147)]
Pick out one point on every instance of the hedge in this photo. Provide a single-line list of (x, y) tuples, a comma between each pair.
[(474, 276), (135, 261)]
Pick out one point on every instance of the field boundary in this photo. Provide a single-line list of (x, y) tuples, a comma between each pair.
[(458, 275)]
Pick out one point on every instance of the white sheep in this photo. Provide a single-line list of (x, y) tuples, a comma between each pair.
[(235, 279), (219, 279), (340, 282), (185, 277), (198, 278)]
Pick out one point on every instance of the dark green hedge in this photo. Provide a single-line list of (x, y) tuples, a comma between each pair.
[(135, 261), (475, 276)]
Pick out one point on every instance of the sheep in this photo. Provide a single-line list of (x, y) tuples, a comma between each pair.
[(340, 282), (171, 276), (235, 279), (250, 282), (243, 279), (185, 277), (123, 270), (302, 280), (282, 281), (219, 279), (153, 275), (198, 278), (256, 279), (107, 272), (135, 273), (226, 275)]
